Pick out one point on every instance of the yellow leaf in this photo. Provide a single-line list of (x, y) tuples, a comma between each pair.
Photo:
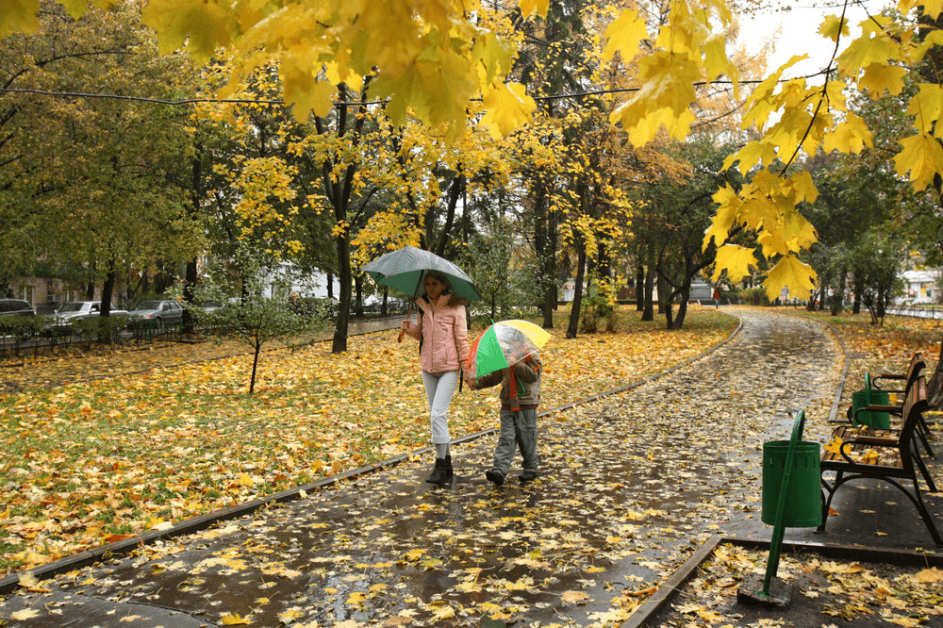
[(833, 27), (574, 597), (929, 576), (729, 205), (508, 108), (415, 554), (736, 260), (879, 77), (851, 136), (624, 35), (926, 107), (873, 46), (444, 612), (716, 62), (711, 617), (529, 6), (18, 15), (246, 480), (922, 156), (200, 24), (235, 619), (306, 94), (790, 273)]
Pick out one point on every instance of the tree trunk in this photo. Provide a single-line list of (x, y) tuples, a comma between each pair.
[(189, 295), (639, 286), (544, 255), (648, 311), (358, 300), (330, 286), (663, 294), (255, 365), (935, 384), (339, 344), (574, 324), (685, 295), (108, 291)]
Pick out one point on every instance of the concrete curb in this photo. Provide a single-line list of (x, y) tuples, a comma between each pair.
[(10, 583)]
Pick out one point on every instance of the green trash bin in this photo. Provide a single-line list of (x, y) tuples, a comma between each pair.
[(803, 507), (876, 420)]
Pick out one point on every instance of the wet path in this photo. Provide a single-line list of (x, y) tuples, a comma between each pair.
[(630, 486)]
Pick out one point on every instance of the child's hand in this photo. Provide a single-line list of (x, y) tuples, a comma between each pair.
[(471, 383)]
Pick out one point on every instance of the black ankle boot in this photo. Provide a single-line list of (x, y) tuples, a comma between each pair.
[(447, 474), (438, 473), (442, 474)]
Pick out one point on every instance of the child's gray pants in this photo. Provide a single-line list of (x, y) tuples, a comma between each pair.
[(518, 428)]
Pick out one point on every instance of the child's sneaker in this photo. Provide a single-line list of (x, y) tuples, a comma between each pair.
[(495, 477)]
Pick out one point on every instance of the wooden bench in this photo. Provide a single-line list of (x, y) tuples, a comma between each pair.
[(853, 455), (914, 371)]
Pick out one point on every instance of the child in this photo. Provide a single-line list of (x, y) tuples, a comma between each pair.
[(520, 395)]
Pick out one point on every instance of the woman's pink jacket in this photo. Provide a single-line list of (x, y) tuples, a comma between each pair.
[(444, 336)]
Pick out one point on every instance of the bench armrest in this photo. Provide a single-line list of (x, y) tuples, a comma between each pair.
[(896, 410)]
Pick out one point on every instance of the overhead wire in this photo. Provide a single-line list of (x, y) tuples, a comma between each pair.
[(193, 101)]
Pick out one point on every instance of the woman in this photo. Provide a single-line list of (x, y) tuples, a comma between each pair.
[(443, 347)]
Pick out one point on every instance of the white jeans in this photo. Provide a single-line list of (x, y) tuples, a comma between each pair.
[(439, 390)]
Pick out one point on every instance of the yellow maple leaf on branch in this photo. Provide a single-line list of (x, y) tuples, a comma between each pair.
[(736, 260), (792, 273)]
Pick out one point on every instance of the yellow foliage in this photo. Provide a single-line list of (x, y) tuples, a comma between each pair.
[(736, 260), (792, 273)]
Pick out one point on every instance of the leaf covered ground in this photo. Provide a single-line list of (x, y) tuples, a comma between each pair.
[(825, 592), (97, 461)]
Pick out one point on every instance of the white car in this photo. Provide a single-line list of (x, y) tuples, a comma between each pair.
[(81, 310)]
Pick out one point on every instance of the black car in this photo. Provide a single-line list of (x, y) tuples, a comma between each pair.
[(16, 307), (11, 311)]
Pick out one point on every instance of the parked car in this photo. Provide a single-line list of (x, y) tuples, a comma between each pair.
[(16, 307), (209, 306), (80, 310), (157, 312), (12, 312)]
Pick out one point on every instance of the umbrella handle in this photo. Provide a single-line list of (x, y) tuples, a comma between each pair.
[(408, 314)]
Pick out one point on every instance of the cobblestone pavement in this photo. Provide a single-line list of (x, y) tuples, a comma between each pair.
[(630, 486)]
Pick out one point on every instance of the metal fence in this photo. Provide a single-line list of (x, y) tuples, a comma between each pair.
[(26, 335), (916, 311)]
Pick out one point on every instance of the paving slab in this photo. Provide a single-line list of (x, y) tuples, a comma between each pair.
[(631, 486)]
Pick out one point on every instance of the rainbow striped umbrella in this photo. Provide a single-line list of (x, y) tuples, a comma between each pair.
[(504, 344)]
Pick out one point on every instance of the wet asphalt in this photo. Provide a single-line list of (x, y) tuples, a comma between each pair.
[(631, 485)]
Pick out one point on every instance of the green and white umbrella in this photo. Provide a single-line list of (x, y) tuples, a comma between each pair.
[(503, 345), (406, 269)]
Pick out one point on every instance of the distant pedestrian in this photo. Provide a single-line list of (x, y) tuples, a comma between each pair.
[(520, 396), (442, 332)]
